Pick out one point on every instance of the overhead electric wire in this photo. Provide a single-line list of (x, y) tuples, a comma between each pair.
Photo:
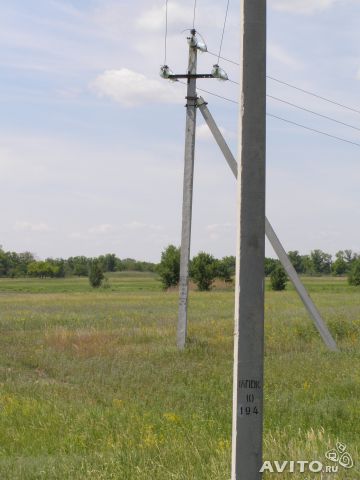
[(313, 113), (212, 93), (313, 129), (314, 94), (223, 31), (194, 16), (166, 31), (295, 87), (223, 58), (299, 107), (320, 132)]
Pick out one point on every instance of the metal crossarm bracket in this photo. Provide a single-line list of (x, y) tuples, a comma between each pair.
[(199, 75)]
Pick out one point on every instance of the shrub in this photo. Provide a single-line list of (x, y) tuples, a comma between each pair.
[(203, 270), (354, 275), (169, 268), (278, 278), (96, 275)]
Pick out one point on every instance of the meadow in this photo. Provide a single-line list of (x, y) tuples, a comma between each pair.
[(93, 387)]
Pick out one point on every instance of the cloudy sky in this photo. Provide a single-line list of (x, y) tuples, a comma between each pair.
[(91, 139)]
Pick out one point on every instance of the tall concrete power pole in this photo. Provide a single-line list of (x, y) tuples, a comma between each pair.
[(191, 105), (250, 248), (187, 192)]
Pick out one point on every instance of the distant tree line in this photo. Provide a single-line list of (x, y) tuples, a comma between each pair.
[(317, 263), (25, 264), (204, 268)]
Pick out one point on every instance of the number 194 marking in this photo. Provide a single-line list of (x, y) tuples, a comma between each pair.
[(249, 410)]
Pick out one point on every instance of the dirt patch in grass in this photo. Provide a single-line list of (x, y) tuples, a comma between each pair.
[(83, 343)]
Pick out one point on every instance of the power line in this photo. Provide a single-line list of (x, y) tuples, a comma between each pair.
[(313, 113), (223, 31), (223, 58), (313, 130), (320, 132), (307, 110), (194, 16), (295, 87), (314, 94), (212, 93), (166, 31)]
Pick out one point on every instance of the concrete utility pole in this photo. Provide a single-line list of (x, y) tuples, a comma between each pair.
[(187, 193), (271, 235), (250, 248)]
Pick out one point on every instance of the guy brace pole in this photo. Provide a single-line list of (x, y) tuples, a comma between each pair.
[(271, 235)]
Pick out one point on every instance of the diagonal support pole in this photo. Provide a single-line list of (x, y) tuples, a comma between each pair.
[(271, 235)]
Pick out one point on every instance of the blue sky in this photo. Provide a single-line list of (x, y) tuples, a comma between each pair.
[(91, 139)]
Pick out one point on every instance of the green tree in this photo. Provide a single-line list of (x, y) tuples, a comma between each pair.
[(59, 266), (17, 263), (297, 261), (339, 267), (307, 265), (321, 262), (349, 255), (278, 278), (79, 266), (225, 268), (4, 263), (203, 270), (108, 262), (169, 267), (96, 275), (42, 269), (269, 265), (354, 275)]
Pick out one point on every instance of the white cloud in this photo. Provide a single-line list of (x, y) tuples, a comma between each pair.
[(32, 227), (302, 6), (130, 88)]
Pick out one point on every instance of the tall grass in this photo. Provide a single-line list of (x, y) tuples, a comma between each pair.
[(92, 386)]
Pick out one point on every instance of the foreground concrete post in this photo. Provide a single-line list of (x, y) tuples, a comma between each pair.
[(187, 199), (250, 248)]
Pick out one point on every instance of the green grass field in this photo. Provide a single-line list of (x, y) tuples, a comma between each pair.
[(92, 386)]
